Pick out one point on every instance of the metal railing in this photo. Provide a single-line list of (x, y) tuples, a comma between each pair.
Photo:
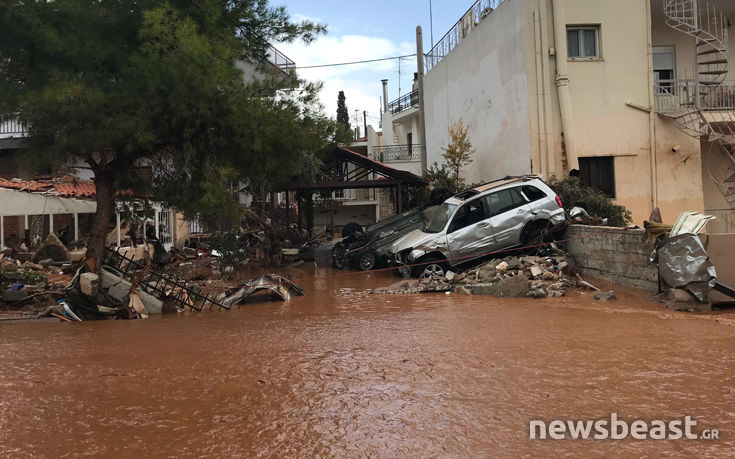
[(158, 284), (474, 16), (279, 59), (403, 103), (677, 95), (12, 126), (389, 153)]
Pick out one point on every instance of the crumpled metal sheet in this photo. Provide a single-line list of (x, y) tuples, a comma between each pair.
[(683, 263), (281, 286)]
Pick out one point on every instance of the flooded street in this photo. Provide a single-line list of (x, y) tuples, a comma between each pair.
[(341, 372)]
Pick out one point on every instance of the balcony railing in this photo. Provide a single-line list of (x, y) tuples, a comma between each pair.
[(403, 103), (389, 153), (474, 16), (279, 59), (11, 128), (676, 95)]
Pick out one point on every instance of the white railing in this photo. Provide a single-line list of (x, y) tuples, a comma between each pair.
[(676, 95), (474, 16), (11, 127)]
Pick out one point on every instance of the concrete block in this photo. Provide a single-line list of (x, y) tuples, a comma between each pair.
[(89, 283)]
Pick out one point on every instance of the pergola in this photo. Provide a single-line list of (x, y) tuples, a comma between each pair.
[(351, 170)]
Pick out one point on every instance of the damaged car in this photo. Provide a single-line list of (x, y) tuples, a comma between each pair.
[(369, 248), (475, 224)]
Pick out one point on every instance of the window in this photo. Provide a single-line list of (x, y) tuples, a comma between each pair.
[(503, 201), (598, 173), (583, 43), (533, 193), (409, 142), (663, 69), (467, 215)]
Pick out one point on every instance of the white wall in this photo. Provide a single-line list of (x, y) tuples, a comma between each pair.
[(484, 82)]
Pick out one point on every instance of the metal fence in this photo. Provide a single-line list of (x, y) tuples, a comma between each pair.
[(403, 103), (474, 16), (676, 95), (389, 153)]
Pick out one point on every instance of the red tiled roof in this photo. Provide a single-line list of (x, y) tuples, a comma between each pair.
[(69, 186)]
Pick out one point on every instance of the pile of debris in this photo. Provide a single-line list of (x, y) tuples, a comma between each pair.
[(510, 277)]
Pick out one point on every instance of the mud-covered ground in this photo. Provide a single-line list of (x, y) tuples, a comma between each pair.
[(343, 372)]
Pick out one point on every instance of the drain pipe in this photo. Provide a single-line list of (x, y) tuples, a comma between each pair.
[(562, 84), (652, 113)]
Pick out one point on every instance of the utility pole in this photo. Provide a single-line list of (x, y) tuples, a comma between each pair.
[(422, 116), (431, 24), (364, 120)]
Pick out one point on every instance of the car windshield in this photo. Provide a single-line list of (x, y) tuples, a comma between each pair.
[(439, 217)]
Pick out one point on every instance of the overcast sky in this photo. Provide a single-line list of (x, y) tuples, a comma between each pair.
[(366, 30)]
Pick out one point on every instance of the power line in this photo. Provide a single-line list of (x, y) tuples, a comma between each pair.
[(355, 62)]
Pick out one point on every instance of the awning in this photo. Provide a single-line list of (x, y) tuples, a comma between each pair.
[(15, 202)]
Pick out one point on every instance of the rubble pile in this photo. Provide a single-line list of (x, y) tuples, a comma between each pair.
[(510, 277)]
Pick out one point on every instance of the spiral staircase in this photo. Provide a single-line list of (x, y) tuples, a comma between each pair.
[(704, 107)]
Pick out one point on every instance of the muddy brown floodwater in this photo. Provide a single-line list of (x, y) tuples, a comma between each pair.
[(341, 372)]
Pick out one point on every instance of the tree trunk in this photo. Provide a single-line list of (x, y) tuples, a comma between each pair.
[(101, 222)]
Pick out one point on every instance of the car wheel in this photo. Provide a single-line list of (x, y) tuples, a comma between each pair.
[(367, 260), (429, 267), (338, 256), (533, 234)]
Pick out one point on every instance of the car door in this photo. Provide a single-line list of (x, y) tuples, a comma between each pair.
[(469, 234), (508, 212)]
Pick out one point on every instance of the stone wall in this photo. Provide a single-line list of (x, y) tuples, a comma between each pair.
[(614, 254)]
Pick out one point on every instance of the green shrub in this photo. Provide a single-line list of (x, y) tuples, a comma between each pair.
[(571, 191), (232, 246)]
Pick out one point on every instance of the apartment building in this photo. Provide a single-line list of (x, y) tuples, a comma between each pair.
[(635, 95)]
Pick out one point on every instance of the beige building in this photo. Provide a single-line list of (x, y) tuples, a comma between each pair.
[(635, 94)]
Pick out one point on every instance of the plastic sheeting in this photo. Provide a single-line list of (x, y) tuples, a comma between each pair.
[(683, 263)]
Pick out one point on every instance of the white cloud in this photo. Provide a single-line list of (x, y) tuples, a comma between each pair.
[(360, 82)]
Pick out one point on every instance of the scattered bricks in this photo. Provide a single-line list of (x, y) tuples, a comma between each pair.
[(548, 276), (450, 275), (502, 266), (605, 296), (536, 271), (513, 263)]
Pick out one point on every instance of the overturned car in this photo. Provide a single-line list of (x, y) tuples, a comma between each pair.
[(480, 223), (369, 248)]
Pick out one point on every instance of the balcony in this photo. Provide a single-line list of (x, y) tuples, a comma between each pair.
[(404, 103), (279, 59), (393, 153), (471, 19), (674, 96)]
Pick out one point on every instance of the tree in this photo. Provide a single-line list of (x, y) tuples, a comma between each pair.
[(108, 84), (459, 151), (343, 119)]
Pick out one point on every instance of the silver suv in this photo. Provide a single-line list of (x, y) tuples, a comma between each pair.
[(474, 224)]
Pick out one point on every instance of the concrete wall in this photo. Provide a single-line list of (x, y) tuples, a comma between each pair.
[(613, 254), (484, 82)]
